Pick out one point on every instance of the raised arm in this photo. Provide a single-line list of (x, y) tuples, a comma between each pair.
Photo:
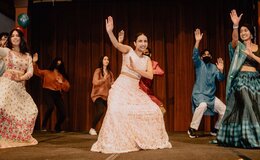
[(235, 19), (196, 56), (198, 37), (220, 65), (121, 36), (36, 70), (109, 27)]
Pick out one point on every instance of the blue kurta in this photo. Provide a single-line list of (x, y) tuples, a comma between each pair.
[(205, 85)]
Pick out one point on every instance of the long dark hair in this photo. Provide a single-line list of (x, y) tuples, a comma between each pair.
[(100, 65), (23, 46), (60, 67)]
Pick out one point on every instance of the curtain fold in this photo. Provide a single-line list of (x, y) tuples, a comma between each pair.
[(76, 31)]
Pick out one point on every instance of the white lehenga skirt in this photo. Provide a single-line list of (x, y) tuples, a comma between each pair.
[(132, 121), (18, 113)]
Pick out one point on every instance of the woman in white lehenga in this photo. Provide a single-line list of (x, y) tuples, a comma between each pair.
[(18, 111), (132, 121)]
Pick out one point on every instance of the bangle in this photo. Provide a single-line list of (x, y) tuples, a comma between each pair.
[(235, 26)]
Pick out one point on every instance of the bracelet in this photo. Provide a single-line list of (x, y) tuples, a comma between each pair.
[(235, 26)]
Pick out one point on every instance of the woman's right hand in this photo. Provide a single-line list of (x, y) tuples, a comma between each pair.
[(35, 57), (109, 24), (235, 19), (109, 27)]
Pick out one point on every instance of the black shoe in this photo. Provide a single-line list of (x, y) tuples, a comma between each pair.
[(214, 132), (192, 133)]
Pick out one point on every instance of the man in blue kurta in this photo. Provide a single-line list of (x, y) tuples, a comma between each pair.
[(204, 101)]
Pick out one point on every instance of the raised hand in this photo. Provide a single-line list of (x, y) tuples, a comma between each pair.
[(235, 19), (198, 34), (121, 36), (109, 24), (220, 64), (131, 65), (35, 57)]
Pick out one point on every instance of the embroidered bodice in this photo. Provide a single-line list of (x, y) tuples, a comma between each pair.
[(140, 62), (17, 64)]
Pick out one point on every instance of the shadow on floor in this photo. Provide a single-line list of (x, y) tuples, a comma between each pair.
[(76, 146)]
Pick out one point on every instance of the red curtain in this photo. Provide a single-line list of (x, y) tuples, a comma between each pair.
[(76, 31)]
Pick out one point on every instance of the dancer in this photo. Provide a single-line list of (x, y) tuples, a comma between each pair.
[(54, 84), (132, 121), (204, 100), (103, 78), (18, 111), (3, 40), (241, 122), (147, 84)]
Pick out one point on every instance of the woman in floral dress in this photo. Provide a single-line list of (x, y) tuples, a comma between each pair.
[(18, 111)]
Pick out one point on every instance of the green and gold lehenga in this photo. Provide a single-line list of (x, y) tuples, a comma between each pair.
[(241, 122)]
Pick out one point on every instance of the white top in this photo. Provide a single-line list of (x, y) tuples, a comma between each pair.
[(140, 63)]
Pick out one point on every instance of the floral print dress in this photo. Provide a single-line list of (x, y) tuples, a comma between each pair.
[(18, 111)]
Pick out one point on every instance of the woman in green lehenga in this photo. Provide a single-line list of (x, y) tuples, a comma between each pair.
[(241, 122)]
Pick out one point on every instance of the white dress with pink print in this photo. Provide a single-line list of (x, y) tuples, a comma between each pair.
[(132, 121), (18, 111)]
